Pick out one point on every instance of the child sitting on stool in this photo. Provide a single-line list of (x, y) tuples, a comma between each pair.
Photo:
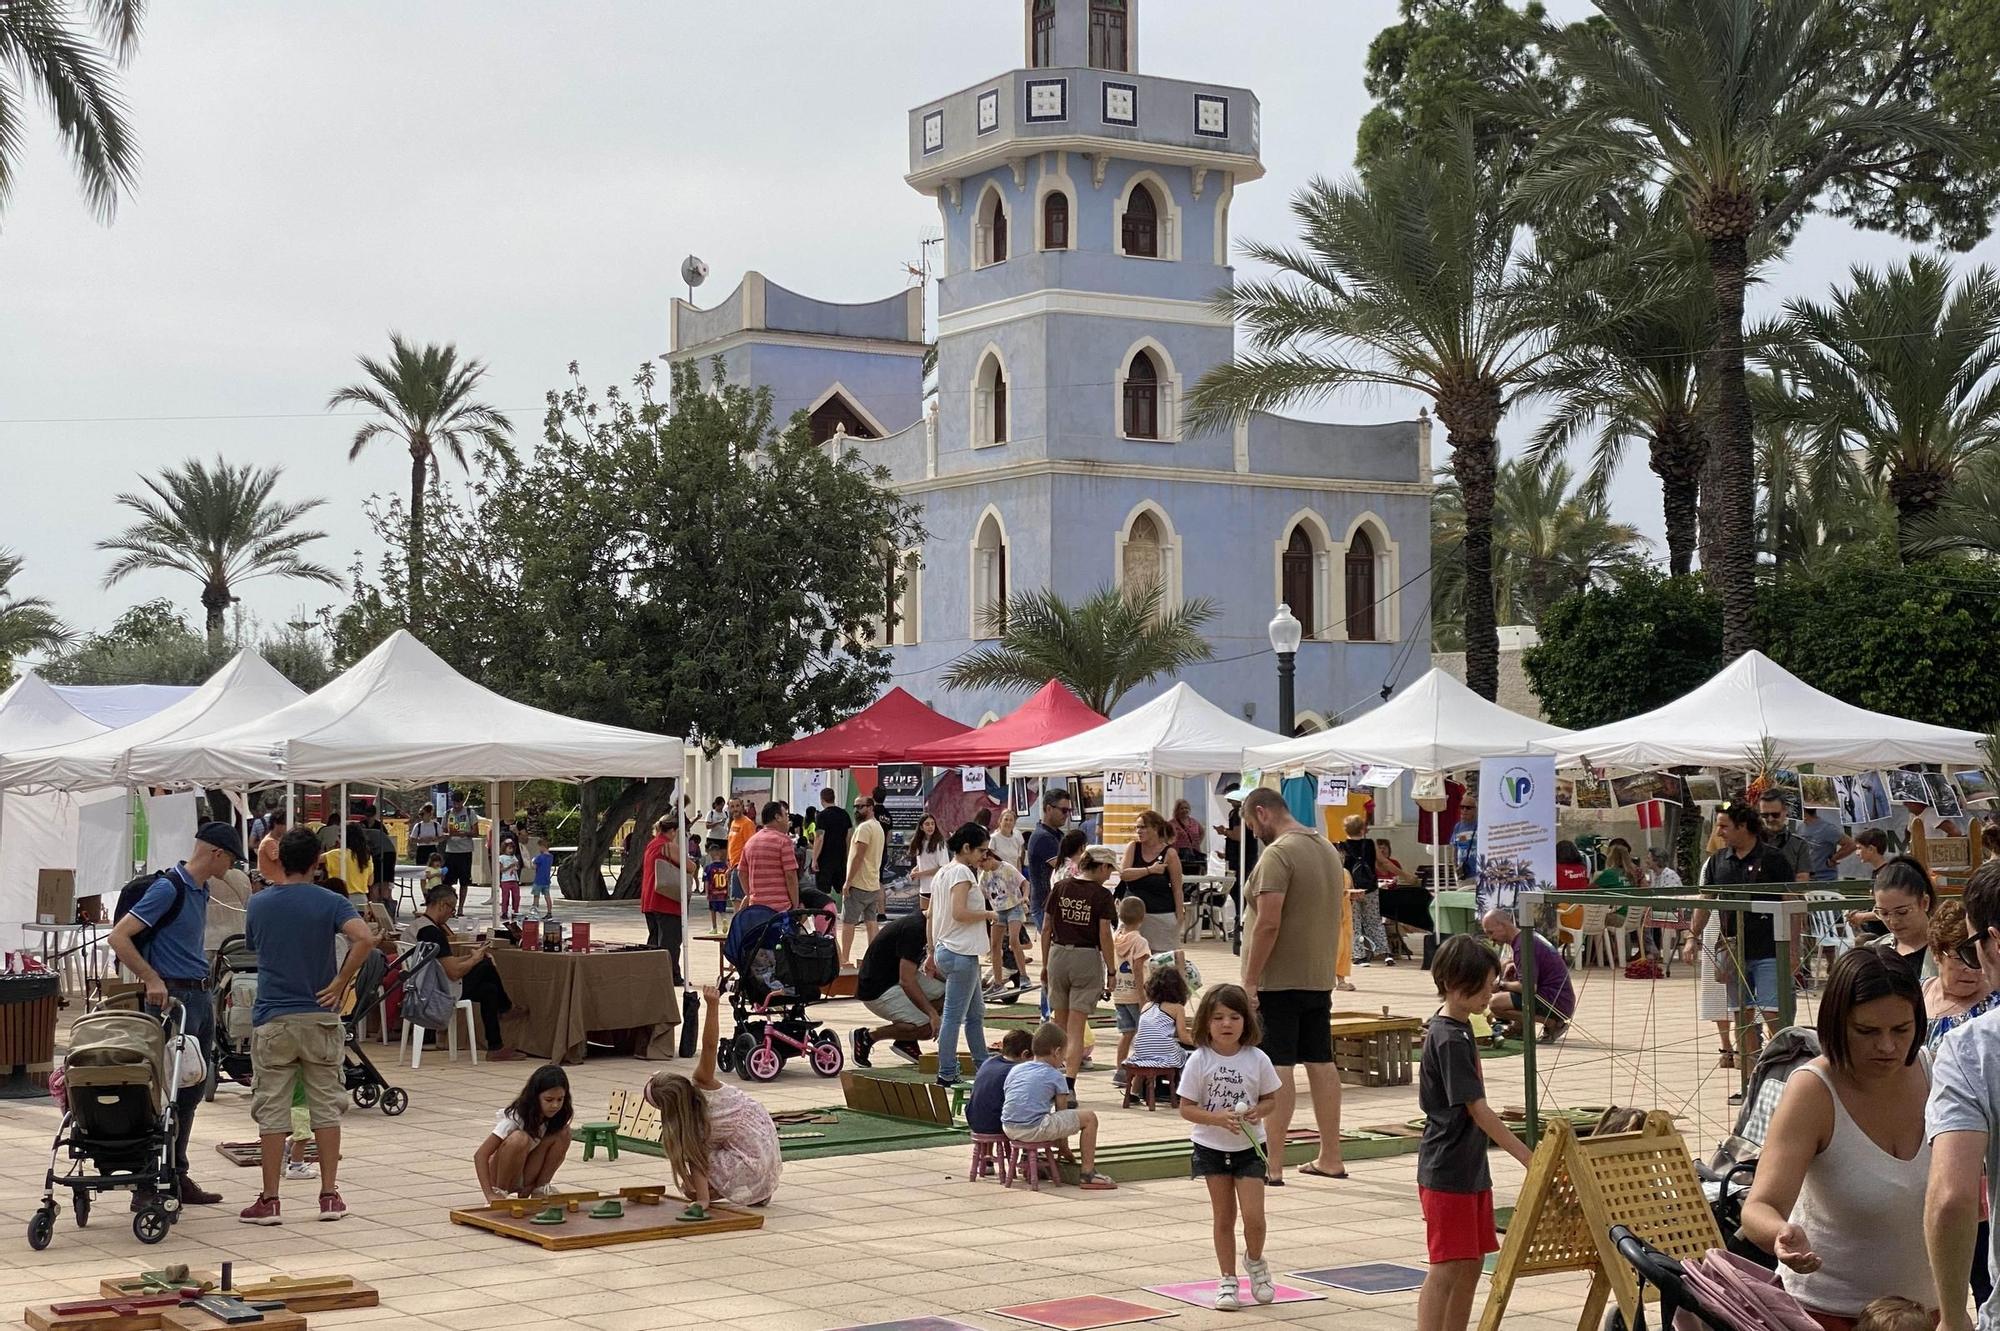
[(1038, 1108), (529, 1139), (989, 1088)]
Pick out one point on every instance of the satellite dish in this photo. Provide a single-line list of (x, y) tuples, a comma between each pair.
[(693, 271)]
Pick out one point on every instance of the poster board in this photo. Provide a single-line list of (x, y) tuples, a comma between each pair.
[(1127, 794), (901, 788), (55, 895), (1517, 828)]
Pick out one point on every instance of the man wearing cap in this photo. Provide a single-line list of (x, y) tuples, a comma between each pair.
[(161, 942)]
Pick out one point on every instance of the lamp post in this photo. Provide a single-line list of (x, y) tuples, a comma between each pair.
[(1285, 635)]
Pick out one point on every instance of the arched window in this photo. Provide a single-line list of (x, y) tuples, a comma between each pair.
[(1107, 34), (1042, 40), (1142, 398), (1360, 588), (997, 231), (1145, 556), (999, 404), (989, 402), (989, 579), (1297, 587), (1055, 220), (1141, 228)]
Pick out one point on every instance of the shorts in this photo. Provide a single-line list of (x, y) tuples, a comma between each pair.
[(1533, 1005), (1128, 1020), (1015, 914), (304, 1047), (1458, 1226), (1297, 1026), (1050, 1127), (860, 905), (1159, 933), (1236, 1164), (894, 1006), (1076, 978), (1762, 994)]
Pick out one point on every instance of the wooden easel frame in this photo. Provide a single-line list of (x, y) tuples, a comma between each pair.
[(1577, 1189)]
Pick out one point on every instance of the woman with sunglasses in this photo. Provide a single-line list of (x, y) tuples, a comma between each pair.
[(1958, 992), (1904, 898)]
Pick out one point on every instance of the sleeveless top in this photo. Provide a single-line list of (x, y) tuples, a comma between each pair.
[(1153, 1044), (1863, 1211), (1155, 889)]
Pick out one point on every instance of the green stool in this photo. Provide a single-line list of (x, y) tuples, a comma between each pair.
[(595, 1135), (959, 1091)]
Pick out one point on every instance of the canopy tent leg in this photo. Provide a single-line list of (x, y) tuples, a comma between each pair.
[(493, 849)]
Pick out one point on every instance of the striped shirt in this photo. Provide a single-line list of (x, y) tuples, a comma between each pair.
[(766, 857), (1153, 1044)]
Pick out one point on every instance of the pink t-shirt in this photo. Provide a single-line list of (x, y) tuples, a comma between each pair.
[(766, 857)]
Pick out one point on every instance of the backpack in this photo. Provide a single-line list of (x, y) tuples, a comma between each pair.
[(428, 999), (134, 892)]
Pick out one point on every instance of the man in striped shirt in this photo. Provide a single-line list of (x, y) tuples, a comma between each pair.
[(770, 863)]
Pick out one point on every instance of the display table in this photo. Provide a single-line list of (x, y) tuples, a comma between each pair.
[(561, 998), (1456, 912)]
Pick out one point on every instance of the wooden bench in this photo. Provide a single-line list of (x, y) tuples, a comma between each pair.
[(1375, 1050)]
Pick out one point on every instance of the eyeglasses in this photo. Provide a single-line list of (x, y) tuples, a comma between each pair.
[(1967, 954), (1774, 816)]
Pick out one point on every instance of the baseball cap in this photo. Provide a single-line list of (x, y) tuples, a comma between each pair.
[(1096, 855), (223, 837)]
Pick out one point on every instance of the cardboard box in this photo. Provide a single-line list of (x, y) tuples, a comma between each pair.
[(55, 895)]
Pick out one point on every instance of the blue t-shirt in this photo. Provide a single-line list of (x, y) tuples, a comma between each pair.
[(1032, 1088), (291, 928), (545, 866), (1043, 847), (179, 951), (989, 1091)]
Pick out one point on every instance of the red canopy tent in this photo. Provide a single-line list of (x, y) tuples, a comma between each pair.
[(885, 731), (1053, 713)]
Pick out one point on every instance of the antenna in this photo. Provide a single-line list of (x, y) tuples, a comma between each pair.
[(694, 272)]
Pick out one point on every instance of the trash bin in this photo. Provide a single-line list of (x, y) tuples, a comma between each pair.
[(28, 1006)]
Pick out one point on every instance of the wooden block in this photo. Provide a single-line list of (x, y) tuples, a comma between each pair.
[(133, 1287), (312, 1294), (615, 1110), (194, 1319), (141, 1313), (583, 1230)]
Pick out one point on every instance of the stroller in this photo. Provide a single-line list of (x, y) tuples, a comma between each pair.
[(120, 1077), (1718, 1291), (232, 978), (782, 960), (361, 1079), (1726, 1176)]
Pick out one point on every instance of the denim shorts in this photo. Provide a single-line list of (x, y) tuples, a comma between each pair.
[(1128, 1017), (1236, 1164), (1012, 914), (1761, 982)]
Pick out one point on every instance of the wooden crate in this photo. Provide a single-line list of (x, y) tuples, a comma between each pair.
[(1375, 1050)]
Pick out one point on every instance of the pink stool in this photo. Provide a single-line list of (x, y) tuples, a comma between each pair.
[(1036, 1160), (990, 1153)]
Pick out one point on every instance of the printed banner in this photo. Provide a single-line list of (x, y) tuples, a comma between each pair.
[(1332, 793), (1517, 829), (972, 779)]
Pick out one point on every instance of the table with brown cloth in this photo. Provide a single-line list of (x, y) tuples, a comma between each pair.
[(559, 999)]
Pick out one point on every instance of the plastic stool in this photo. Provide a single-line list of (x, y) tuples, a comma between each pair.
[(594, 1135), (1147, 1084), (1036, 1160), (959, 1090), (413, 1036), (990, 1151)]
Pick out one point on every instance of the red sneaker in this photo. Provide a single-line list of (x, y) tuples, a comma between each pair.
[(331, 1207), (263, 1211)]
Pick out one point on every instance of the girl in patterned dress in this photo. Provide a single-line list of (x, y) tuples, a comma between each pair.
[(719, 1142)]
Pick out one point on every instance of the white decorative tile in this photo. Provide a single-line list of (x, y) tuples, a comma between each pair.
[(989, 110), (1048, 99), (933, 130), (1121, 104), (1211, 116)]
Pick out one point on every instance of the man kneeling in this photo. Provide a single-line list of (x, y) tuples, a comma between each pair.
[(1554, 999), (1035, 1111), (891, 984)]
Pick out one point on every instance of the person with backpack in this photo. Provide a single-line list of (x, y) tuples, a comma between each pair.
[(159, 927), (472, 976)]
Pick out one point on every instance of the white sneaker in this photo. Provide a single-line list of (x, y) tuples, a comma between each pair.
[(1225, 1295), (1262, 1287), (301, 1169)]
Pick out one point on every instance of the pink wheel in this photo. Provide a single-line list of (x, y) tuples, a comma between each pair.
[(763, 1063), (827, 1057)]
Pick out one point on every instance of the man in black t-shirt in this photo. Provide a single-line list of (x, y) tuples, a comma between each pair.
[(831, 828), (891, 984), (1749, 939)]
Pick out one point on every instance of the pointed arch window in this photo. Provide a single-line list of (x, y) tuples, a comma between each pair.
[(997, 230), (1142, 398), (1298, 579), (989, 579), (1141, 225), (1055, 220), (1360, 588), (989, 402)]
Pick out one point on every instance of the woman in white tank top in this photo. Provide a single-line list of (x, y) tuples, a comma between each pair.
[(1839, 1192)]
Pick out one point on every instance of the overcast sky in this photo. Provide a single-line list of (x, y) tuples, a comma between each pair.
[(523, 179)]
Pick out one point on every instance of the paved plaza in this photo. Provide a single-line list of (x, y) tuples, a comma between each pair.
[(857, 1238)]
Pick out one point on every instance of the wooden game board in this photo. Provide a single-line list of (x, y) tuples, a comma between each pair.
[(248, 1155), (302, 1294), (148, 1313), (649, 1216)]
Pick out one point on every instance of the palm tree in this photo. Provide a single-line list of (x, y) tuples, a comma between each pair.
[(27, 623), (1550, 538), (1813, 503), (1408, 279), (1969, 518), (1747, 111), (61, 53), (219, 526), (1901, 366), (425, 394), (1101, 647)]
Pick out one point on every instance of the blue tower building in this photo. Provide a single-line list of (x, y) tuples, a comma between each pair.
[(1085, 210)]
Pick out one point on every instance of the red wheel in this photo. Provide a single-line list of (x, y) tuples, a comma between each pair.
[(763, 1063), (827, 1057)]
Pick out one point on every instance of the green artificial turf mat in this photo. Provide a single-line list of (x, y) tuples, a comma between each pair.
[(852, 1132)]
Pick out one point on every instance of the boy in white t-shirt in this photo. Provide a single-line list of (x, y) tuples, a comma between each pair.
[(1128, 982)]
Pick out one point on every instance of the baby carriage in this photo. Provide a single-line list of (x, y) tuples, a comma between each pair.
[(782, 960), (1726, 1176), (120, 1077), (378, 979), (232, 978), (1717, 1291)]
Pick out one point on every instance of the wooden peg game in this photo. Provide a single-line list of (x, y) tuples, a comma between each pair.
[(649, 1213), (304, 1294)]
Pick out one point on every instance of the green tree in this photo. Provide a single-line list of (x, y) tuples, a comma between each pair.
[(1410, 279), (1101, 647), (1609, 652), (1813, 505), (152, 643), (65, 52), (1751, 112), (1903, 367), (221, 527), (1549, 539), (27, 623), (1969, 519), (423, 397)]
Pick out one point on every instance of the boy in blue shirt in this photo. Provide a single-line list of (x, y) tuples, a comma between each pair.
[(545, 871), (989, 1088), (1034, 1110)]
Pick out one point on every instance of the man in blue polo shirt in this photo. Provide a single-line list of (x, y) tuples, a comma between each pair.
[(1043, 848), (161, 941)]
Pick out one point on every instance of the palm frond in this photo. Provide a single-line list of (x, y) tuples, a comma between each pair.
[(1101, 647)]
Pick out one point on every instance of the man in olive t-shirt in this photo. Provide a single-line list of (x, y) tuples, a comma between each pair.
[(1293, 912)]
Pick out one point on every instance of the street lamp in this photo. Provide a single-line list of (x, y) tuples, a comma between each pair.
[(1285, 635)]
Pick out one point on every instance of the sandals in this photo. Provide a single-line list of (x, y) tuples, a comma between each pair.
[(1096, 1182), (1727, 1058), (1311, 1170)]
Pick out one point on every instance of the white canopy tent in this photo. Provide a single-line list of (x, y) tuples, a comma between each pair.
[(36, 831), (246, 688), (1180, 733), (118, 705), (1728, 720), (1434, 725)]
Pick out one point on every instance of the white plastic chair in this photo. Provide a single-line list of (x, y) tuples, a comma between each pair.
[(1590, 933), (413, 1037), (1829, 924)]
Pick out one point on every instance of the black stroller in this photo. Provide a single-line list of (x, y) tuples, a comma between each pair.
[(782, 960), (1726, 1176), (362, 1080), (120, 1077)]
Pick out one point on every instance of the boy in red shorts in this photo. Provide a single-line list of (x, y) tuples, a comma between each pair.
[(1453, 1183)]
